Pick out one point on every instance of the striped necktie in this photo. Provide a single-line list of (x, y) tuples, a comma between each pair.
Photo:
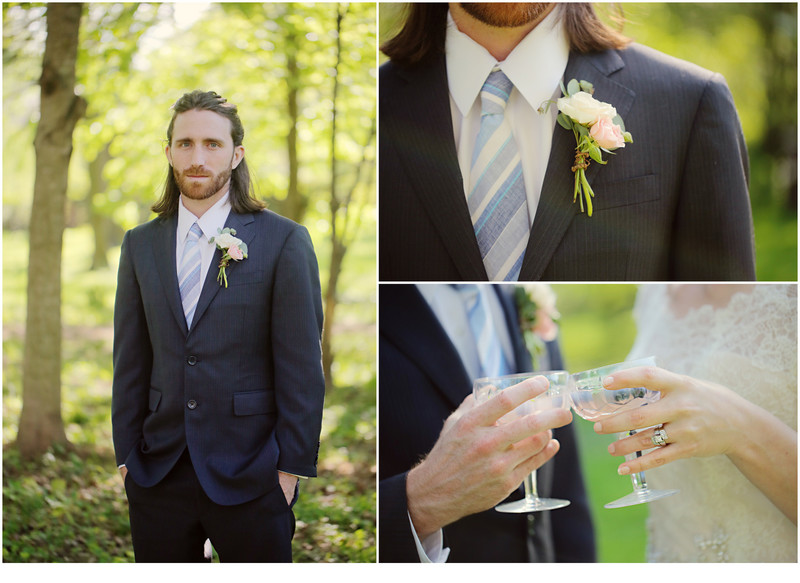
[(492, 360), (497, 200), (189, 274)]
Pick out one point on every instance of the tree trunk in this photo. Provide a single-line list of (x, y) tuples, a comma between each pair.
[(294, 206), (40, 425), (337, 248)]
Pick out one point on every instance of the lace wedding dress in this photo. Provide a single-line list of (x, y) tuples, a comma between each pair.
[(749, 346)]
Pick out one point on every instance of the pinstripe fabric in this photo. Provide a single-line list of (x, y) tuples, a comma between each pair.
[(497, 202), (189, 274)]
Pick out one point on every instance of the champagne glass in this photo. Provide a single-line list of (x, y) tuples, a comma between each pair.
[(592, 402), (556, 397)]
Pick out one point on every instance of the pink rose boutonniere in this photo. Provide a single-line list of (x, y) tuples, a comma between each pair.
[(231, 247), (536, 306), (597, 127)]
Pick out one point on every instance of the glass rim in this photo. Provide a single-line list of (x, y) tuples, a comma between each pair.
[(644, 361), (521, 375)]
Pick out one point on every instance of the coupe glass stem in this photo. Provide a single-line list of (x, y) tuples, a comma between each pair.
[(638, 479), (531, 492)]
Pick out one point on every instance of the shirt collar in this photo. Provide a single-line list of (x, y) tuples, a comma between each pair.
[(213, 219), (535, 66)]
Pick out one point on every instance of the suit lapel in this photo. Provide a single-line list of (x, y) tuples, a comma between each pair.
[(412, 327), (242, 224), (427, 150), (556, 209), (164, 255)]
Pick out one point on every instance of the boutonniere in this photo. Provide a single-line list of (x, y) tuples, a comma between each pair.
[(536, 307), (231, 247), (597, 129)]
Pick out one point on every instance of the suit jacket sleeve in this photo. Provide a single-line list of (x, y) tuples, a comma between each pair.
[(133, 357), (713, 235), (397, 541), (297, 355)]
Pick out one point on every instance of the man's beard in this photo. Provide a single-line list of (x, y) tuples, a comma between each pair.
[(505, 14), (196, 191)]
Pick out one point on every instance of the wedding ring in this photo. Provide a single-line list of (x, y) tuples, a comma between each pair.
[(659, 437)]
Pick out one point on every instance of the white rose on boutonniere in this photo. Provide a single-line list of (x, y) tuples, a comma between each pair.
[(231, 247), (585, 109), (536, 307), (597, 128)]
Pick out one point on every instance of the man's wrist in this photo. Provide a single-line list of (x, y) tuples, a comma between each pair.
[(419, 512)]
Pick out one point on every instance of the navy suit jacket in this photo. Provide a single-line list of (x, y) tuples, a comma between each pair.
[(422, 380), (673, 205), (242, 389)]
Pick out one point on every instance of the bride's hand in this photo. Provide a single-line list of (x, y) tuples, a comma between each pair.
[(699, 418), (704, 419)]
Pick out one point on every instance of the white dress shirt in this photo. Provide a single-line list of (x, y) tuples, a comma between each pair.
[(213, 219), (535, 67)]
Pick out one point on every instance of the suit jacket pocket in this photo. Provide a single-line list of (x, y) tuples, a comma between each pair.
[(243, 277), (155, 399), (625, 192), (253, 403)]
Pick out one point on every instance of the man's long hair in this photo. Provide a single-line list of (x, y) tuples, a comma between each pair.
[(423, 33), (241, 191)]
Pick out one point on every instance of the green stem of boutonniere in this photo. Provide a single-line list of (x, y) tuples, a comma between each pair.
[(222, 276), (581, 184)]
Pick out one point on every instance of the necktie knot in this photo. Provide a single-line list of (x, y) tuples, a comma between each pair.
[(495, 93), (195, 232)]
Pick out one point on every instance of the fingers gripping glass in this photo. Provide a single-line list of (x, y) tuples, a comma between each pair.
[(556, 397), (592, 402)]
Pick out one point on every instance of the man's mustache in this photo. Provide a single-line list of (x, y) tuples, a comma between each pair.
[(196, 171)]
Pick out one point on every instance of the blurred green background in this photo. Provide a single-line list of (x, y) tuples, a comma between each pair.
[(754, 45), (597, 328), (293, 70)]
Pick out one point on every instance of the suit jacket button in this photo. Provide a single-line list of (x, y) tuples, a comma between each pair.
[(192, 360), (192, 404)]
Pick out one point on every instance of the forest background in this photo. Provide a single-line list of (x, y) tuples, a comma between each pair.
[(303, 77)]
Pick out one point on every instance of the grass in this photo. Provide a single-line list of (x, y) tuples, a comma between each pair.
[(70, 506)]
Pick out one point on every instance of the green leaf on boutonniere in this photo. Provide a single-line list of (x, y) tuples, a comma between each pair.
[(564, 121), (573, 87), (587, 87), (594, 154)]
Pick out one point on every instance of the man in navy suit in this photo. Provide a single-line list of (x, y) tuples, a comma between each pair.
[(673, 205), (444, 463), (218, 387)]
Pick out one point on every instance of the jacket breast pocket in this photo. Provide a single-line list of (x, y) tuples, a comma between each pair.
[(253, 403), (626, 192), (244, 277)]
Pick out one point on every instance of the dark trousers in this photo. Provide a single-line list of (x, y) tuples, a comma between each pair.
[(171, 521)]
